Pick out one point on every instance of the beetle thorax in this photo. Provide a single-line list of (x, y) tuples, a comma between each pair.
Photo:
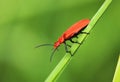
[(56, 44), (60, 41)]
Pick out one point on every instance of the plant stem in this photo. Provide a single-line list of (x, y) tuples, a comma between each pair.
[(66, 59), (117, 72)]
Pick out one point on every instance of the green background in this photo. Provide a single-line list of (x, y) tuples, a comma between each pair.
[(27, 23)]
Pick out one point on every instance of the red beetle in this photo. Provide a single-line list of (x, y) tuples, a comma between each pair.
[(71, 32)]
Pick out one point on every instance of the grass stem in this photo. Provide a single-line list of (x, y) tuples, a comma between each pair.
[(66, 59), (117, 72)]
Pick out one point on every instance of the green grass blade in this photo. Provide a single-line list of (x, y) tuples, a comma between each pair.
[(117, 72), (66, 59)]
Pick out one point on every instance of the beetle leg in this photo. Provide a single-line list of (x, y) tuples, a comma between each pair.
[(74, 41), (77, 36), (84, 32), (68, 45), (66, 49)]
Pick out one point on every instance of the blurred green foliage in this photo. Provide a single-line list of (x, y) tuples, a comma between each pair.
[(27, 23)]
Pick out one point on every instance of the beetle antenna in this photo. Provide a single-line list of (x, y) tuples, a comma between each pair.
[(44, 45), (52, 54)]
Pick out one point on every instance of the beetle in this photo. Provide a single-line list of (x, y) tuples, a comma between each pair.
[(70, 33)]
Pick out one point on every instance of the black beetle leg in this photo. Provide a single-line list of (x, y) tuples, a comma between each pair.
[(74, 41), (66, 49), (84, 32)]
